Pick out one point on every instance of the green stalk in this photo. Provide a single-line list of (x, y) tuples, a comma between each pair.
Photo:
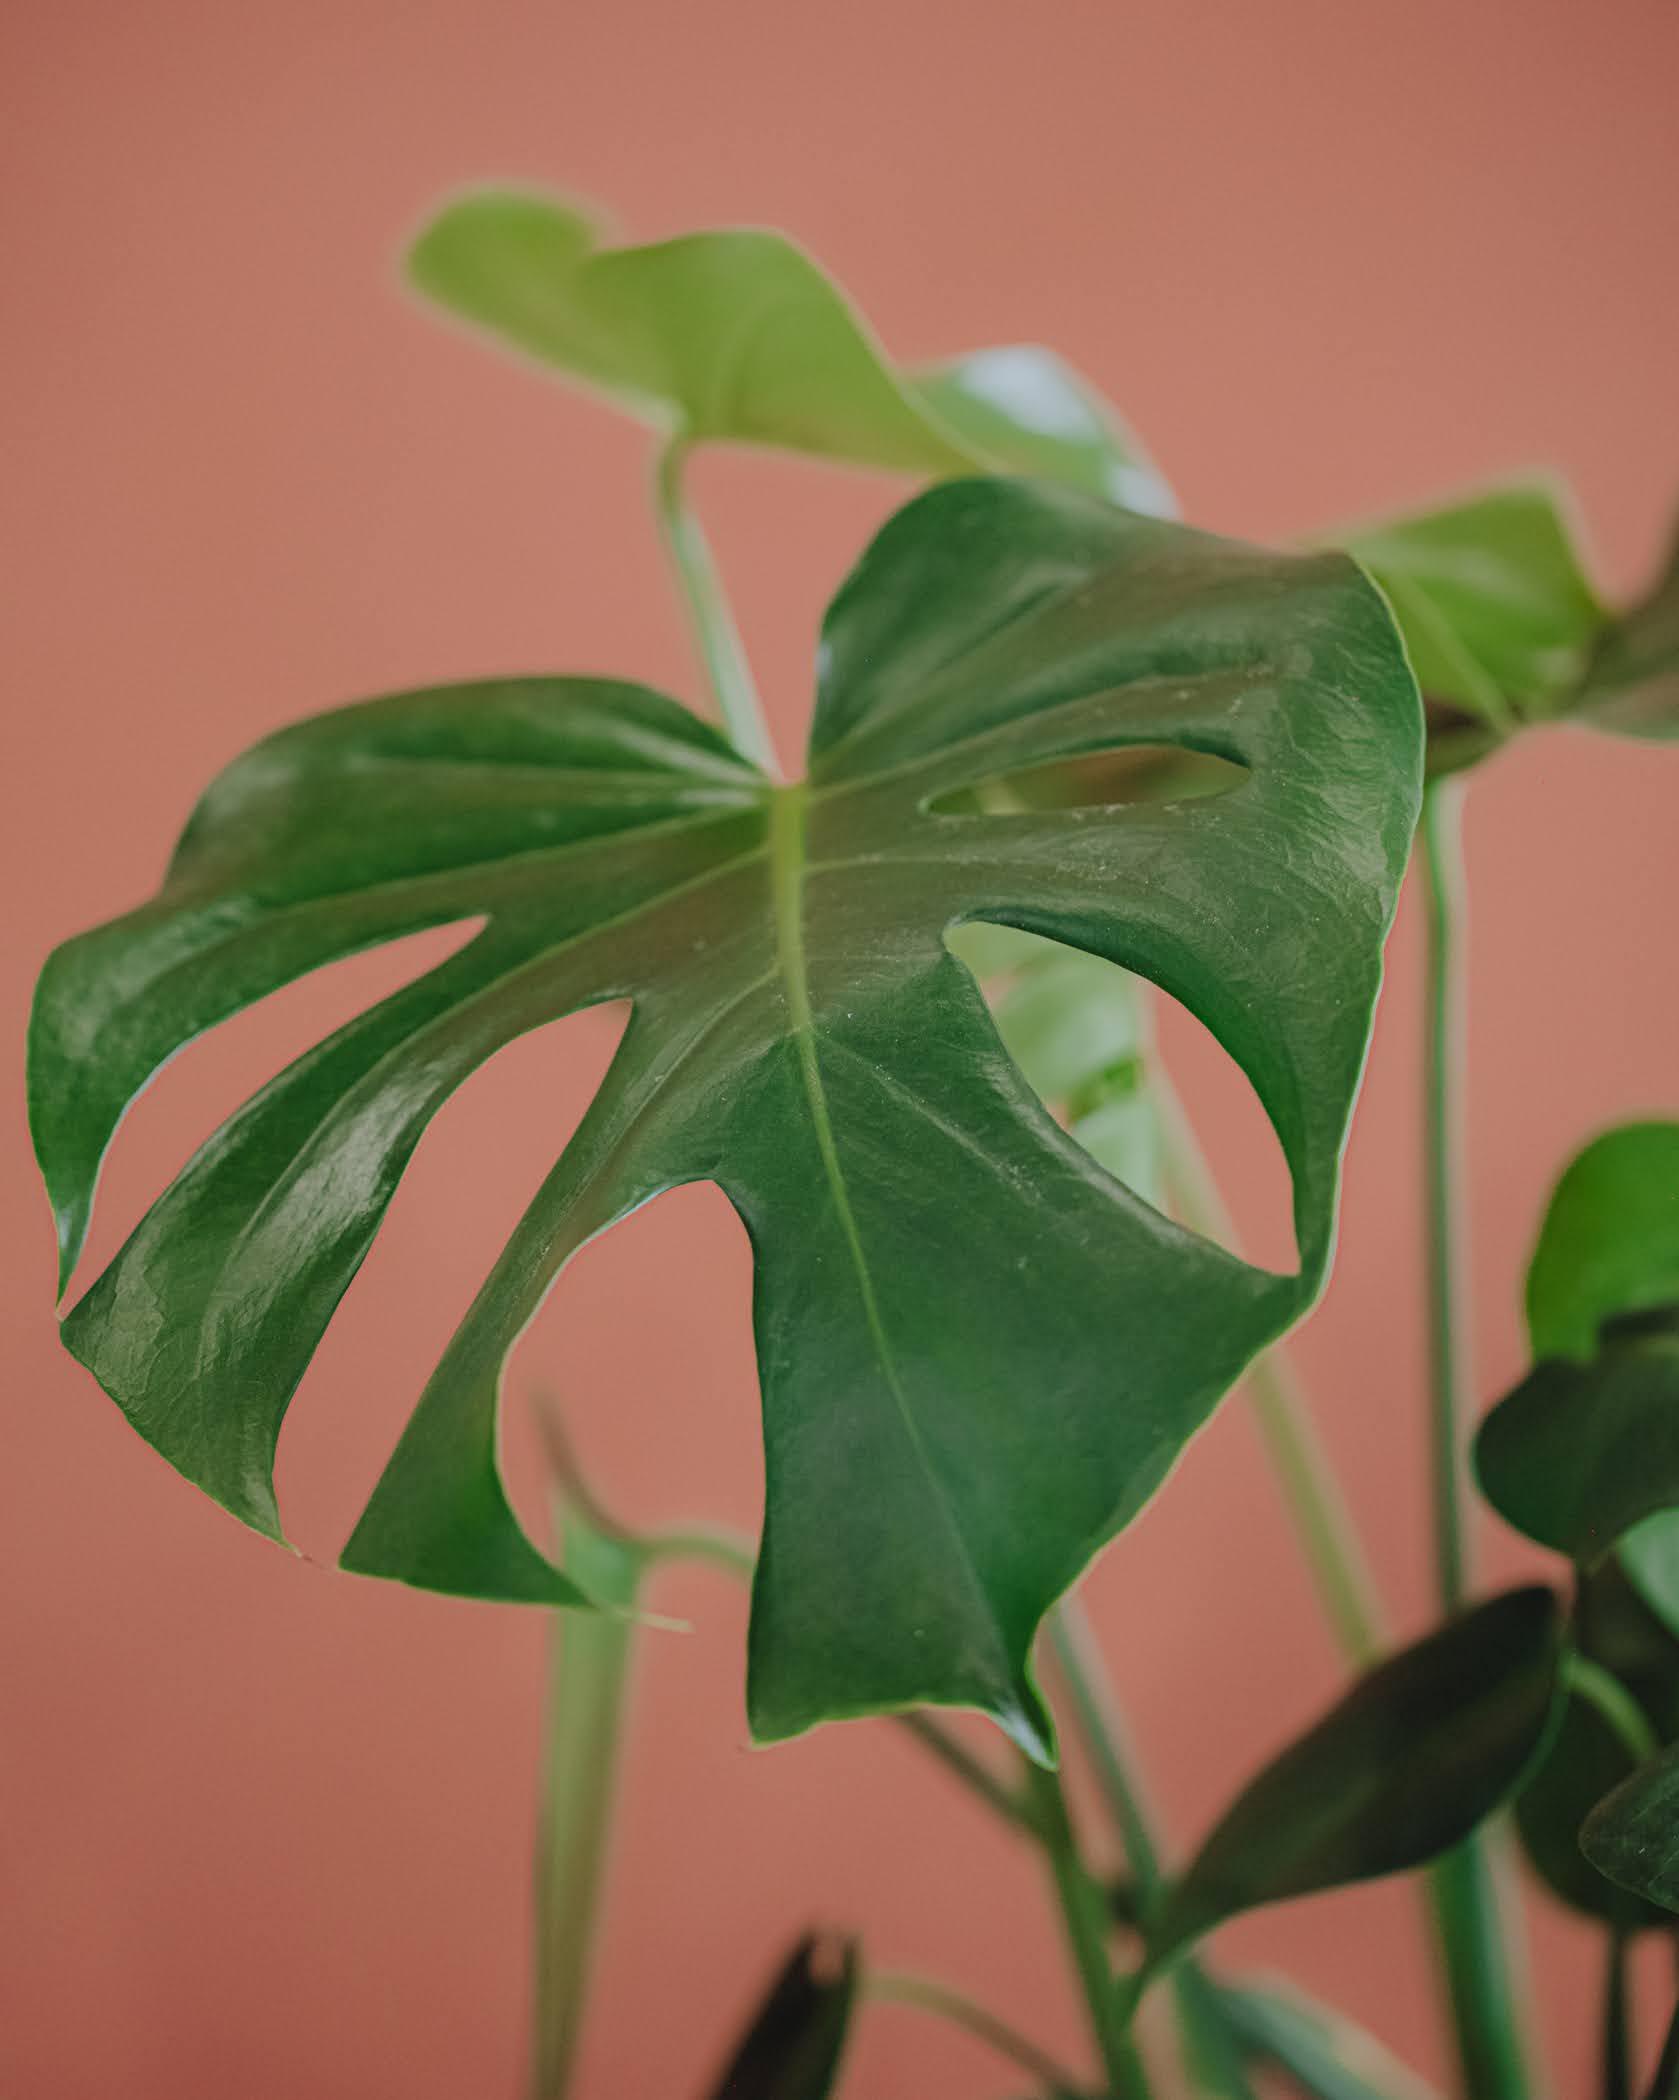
[(1448, 1332), (1084, 1919), (892, 1987), (1209, 2048), (715, 633), (1472, 1914), (1617, 2024), (588, 1682), (1307, 1482)]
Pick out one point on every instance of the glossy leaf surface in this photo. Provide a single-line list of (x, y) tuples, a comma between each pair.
[(1632, 1835), (1610, 1240), (793, 2048), (1581, 1452), (1585, 1756), (1398, 1771), (979, 1353)]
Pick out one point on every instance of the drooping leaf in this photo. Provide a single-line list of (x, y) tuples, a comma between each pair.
[(738, 336), (1399, 1770), (793, 2047), (1632, 1835), (1025, 411), (1581, 1452), (1585, 1757), (1632, 684), (735, 335), (1494, 606), (1319, 2053), (1610, 1240), (979, 1354)]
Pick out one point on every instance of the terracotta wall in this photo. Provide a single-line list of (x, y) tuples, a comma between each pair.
[(266, 1828)]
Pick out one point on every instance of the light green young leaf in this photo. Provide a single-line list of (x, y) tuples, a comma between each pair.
[(1492, 600), (979, 1353), (738, 336)]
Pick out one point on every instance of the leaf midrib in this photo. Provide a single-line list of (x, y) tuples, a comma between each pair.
[(788, 866)]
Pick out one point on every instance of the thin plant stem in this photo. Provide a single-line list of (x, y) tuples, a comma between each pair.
[(1475, 1920), (1617, 2025), (588, 1680), (1084, 1919), (1304, 1476), (925, 1994), (1209, 2047), (715, 633), (1665, 2084), (979, 1779), (1443, 1154)]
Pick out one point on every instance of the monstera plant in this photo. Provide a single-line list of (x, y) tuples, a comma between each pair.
[(1063, 751)]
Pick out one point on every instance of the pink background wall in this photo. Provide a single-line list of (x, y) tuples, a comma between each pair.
[(265, 1828)]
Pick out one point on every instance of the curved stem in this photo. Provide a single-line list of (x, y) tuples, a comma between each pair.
[(1590, 1681), (714, 629), (1209, 2047), (1084, 1918), (1298, 1460), (892, 1987), (1102, 1728), (978, 1778)]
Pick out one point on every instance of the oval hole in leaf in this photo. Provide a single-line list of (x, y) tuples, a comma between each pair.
[(1115, 779), (216, 1073), (1084, 1032)]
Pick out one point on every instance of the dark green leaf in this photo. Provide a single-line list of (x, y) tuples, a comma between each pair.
[(979, 1353), (1401, 1769), (1610, 1240), (1632, 1835), (1581, 1452), (1585, 1756), (1491, 598), (793, 2047), (1632, 686), (1321, 2055)]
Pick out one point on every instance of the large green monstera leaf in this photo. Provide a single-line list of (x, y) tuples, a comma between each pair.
[(979, 1352)]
